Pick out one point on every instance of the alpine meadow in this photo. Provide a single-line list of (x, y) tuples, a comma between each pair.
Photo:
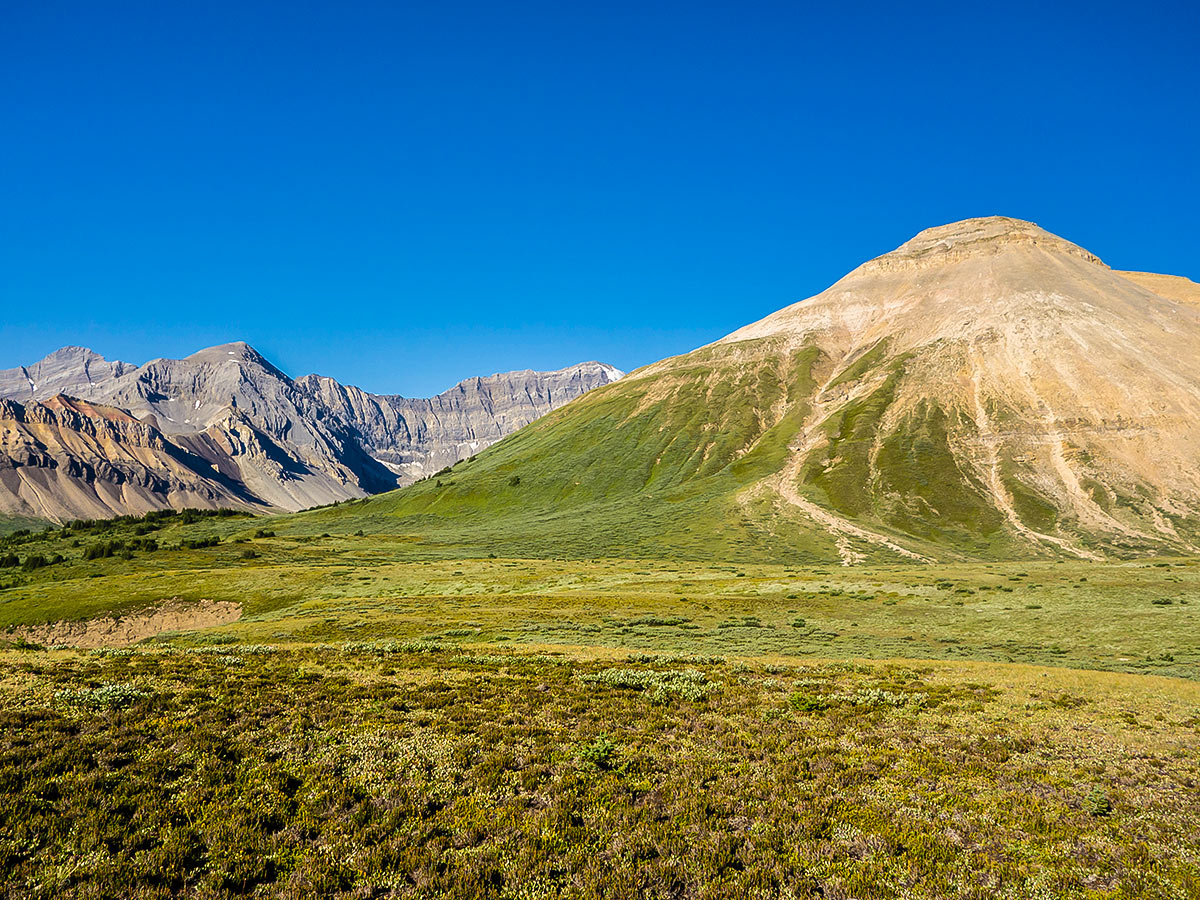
[(893, 593), (419, 477)]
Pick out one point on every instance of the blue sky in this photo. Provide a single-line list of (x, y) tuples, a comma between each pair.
[(405, 195)]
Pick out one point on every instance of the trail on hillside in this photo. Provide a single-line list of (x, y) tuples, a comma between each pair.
[(784, 483)]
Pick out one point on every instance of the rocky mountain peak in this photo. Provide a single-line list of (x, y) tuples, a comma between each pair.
[(235, 351), (974, 238), (72, 352), (228, 412), (68, 370)]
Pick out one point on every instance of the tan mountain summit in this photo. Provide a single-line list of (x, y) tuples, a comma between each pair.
[(1057, 376), (985, 389)]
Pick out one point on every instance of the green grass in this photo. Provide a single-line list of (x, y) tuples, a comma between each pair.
[(304, 587), (914, 462), (9, 524)]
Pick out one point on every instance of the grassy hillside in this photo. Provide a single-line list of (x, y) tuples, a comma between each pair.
[(671, 462), (685, 459), (649, 466), (9, 524)]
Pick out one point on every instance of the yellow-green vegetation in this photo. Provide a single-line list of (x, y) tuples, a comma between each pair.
[(398, 716), (9, 524), (397, 769), (298, 586)]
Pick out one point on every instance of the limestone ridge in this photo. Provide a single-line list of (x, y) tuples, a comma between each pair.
[(417, 437), (85, 437)]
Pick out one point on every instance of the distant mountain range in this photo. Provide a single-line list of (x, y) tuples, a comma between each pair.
[(986, 390), (83, 437)]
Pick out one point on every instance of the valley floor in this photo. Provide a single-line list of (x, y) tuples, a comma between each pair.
[(379, 722)]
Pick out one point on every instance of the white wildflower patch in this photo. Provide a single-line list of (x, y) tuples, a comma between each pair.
[(659, 687), (108, 695)]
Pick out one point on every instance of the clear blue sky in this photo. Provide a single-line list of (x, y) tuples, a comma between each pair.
[(403, 195)]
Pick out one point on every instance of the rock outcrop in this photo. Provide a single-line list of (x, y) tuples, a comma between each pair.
[(67, 459)]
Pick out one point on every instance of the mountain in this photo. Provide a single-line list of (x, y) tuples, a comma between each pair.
[(67, 459), (415, 438), (74, 371), (987, 389), (226, 427)]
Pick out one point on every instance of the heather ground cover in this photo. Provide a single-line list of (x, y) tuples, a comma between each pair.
[(413, 770)]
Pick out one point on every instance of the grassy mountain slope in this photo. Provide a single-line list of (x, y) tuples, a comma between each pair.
[(674, 461), (650, 465)]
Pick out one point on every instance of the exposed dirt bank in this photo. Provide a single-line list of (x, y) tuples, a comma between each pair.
[(173, 615)]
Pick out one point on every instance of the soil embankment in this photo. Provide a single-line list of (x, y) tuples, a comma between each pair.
[(120, 631)]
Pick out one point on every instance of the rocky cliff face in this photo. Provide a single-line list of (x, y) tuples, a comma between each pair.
[(225, 415), (417, 437), (231, 406), (65, 459)]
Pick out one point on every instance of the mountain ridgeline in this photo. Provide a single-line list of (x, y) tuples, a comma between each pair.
[(82, 437), (986, 390)]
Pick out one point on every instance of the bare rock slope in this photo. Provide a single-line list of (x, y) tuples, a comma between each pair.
[(224, 427), (67, 459)]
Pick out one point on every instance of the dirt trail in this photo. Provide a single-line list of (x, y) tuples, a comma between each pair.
[(784, 482), (842, 528), (120, 631)]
